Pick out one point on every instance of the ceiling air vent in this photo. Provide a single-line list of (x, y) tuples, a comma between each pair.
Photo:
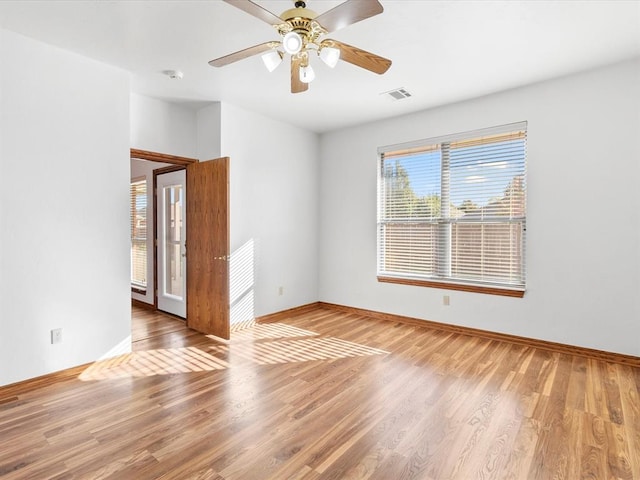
[(397, 94)]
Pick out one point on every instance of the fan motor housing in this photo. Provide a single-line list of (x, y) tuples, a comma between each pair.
[(302, 26), (298, 13), (301, 21)]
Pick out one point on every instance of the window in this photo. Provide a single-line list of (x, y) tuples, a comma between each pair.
[(139, 235), (452, 211)]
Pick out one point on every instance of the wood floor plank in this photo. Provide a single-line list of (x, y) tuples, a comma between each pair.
[(322, 394)]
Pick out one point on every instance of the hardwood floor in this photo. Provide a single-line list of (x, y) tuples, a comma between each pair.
[(324, 395)]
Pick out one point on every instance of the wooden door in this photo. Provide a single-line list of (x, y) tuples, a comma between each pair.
[(208, 247)]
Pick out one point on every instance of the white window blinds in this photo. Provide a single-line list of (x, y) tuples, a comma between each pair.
[(452, 209), (138, 202)]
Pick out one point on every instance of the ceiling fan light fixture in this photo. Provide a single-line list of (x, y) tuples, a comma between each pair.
[(301, 31), (292, 43), (307, 74), (330, 56), (272, 59)]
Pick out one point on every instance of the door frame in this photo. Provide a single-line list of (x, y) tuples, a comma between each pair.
[(161, 157), (176, 163)]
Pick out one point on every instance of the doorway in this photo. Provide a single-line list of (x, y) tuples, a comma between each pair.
[(145, 166), (194, 283)]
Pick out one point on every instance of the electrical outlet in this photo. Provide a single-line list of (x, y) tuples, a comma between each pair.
[(446, 300), (281, 290), (56, 335)]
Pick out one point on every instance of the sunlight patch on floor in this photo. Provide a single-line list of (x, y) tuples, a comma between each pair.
[(256, 344), (257, 331), (146, 363), (298, 350)]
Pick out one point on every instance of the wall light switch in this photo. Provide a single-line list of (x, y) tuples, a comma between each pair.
[(445, 300), (56, 335)]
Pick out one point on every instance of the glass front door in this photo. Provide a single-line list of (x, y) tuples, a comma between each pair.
[(171, 249)]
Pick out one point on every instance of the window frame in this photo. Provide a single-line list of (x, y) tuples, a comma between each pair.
[(138, 287), (449, 283)]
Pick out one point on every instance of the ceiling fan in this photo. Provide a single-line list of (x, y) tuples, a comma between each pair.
[(301, 30)]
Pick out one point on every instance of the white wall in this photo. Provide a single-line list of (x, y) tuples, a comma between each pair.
[(209, 131), (583, 227), (274, 212), (64, 162), (163, 127)]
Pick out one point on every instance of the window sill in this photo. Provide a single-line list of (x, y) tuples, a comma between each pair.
[(505, 292), (141, 291)]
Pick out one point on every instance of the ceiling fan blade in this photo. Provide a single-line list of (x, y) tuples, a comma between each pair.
[(257, 11), (297, 85), (348, 13), (359, 57), (247, 52)]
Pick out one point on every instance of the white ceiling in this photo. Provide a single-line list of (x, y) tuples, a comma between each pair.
[(442, 51)]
